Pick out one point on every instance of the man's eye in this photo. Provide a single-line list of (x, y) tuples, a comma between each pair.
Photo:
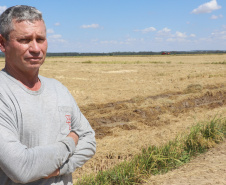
[(40, 40), (24, 40)]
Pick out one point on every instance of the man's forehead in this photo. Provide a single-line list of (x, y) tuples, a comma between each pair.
[(15, 21), (27, 26)]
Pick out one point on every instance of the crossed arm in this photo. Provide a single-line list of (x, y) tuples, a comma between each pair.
[(75, 137), (23, 165), (59, 158)]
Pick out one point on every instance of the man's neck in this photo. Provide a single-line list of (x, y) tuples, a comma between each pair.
[(29, 80)]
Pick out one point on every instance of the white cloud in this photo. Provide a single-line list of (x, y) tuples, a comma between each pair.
[(170, 40), (2, 9), (55, 38), (166, 35), (180, 35), (159, 39), (164, 30), (90, 26), (50, 31), (219, 34), (94, 40), (177, 37), (132, 40), (146, 30), (109, 42), (207, 7), (127, 41), (57, 24), (216, 17), (150, 29)]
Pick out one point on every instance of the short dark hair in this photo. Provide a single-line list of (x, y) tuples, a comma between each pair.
[(18, 13)]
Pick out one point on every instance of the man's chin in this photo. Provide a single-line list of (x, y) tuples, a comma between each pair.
[(33, 67), (34, 63)]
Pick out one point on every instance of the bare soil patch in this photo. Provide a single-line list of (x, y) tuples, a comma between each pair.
[(123, 114)]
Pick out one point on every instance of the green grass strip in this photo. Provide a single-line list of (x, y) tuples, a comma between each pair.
[(155, 160)]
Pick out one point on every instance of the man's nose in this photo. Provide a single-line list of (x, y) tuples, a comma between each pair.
[(34, 47)]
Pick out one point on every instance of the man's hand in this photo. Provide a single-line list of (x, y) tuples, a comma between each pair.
[(55, 173), (74, 136)]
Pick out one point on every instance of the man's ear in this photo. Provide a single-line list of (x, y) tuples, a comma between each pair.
[(2, 43)]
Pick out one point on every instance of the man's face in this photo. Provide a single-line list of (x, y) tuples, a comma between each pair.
[(26, 48)]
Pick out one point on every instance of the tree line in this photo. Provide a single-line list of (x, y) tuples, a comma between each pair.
[(62, 54)]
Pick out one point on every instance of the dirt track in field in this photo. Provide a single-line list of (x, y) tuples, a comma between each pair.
[(122, 114)]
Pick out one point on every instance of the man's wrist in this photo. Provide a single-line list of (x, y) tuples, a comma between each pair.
[(54, 174), (74, 136)]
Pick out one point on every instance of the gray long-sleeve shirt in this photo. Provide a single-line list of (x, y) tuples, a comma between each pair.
[(33, 130)]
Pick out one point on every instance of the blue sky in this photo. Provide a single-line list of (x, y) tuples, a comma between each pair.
[(131, 25)]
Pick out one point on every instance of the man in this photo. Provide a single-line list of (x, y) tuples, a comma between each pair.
[(43, 135)]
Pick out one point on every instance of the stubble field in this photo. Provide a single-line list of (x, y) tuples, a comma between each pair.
[(136, 101)]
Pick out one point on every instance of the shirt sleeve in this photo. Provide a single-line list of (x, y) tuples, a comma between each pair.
[(22, 164), (86, 146)]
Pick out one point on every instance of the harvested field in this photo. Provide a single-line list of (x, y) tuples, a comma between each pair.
[(134, 102)]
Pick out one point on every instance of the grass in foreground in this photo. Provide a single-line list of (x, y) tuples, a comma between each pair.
[(155, 160)]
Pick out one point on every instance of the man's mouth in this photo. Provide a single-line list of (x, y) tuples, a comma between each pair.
[(33, 58)]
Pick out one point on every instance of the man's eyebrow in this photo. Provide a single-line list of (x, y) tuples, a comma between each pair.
[(30, 35)]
